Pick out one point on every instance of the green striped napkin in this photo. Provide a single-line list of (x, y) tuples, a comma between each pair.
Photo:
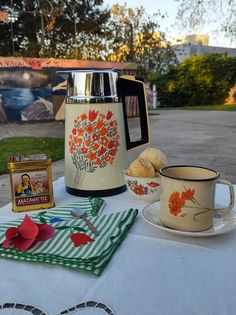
[(60, 249)]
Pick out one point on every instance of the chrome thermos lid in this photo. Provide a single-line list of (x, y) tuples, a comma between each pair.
[(92, 86)]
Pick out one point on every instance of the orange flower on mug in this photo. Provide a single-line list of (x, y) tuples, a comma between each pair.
[(178, 201), (188, 194), (175, 203)]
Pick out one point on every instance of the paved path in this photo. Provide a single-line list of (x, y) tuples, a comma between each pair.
[(187, 137), (44, 129)]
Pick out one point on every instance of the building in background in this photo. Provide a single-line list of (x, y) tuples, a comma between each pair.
[(196, 45)]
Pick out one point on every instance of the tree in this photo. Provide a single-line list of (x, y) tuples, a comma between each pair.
[(220, 13), (53, 28), (136, 37), (199, 80)]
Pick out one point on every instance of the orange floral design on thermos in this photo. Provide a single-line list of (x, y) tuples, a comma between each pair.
[(96, 130), (93, 142)]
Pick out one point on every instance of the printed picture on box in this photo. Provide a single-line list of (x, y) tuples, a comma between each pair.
[(31, 183), (25, 187)]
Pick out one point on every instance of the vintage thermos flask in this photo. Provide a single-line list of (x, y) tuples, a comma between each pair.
[(96, 130)]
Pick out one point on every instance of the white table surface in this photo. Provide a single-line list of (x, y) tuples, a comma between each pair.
[(151, 273)]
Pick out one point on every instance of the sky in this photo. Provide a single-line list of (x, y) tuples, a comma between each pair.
[(169, 23)]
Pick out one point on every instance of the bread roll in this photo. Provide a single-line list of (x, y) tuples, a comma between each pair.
[(141, 168), (155, 156)]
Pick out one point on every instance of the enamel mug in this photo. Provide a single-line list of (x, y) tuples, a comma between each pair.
[(187, 197)]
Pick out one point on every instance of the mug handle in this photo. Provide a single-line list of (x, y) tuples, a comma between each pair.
[(231, 193)]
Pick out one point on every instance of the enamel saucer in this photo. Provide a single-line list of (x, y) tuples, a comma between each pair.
[(222, 223)]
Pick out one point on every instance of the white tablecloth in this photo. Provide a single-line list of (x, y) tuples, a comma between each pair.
[(152, 272)]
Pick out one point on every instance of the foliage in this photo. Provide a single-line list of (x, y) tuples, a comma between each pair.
[(54, 28), (219, 13), (196, 81), (137, 38), (85, 30), (29, 145)]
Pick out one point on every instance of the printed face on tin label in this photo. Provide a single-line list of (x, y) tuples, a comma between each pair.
[(31, 188)]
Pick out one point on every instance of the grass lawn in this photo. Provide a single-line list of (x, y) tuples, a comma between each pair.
[(224, 107), (29, 145)]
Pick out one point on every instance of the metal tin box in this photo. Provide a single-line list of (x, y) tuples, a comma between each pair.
[(31, 182)]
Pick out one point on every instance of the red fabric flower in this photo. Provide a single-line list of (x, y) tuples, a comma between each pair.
[(80, 239), (27, 233), (93, 115)]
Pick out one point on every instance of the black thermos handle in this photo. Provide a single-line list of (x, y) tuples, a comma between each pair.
[(129, 86)]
